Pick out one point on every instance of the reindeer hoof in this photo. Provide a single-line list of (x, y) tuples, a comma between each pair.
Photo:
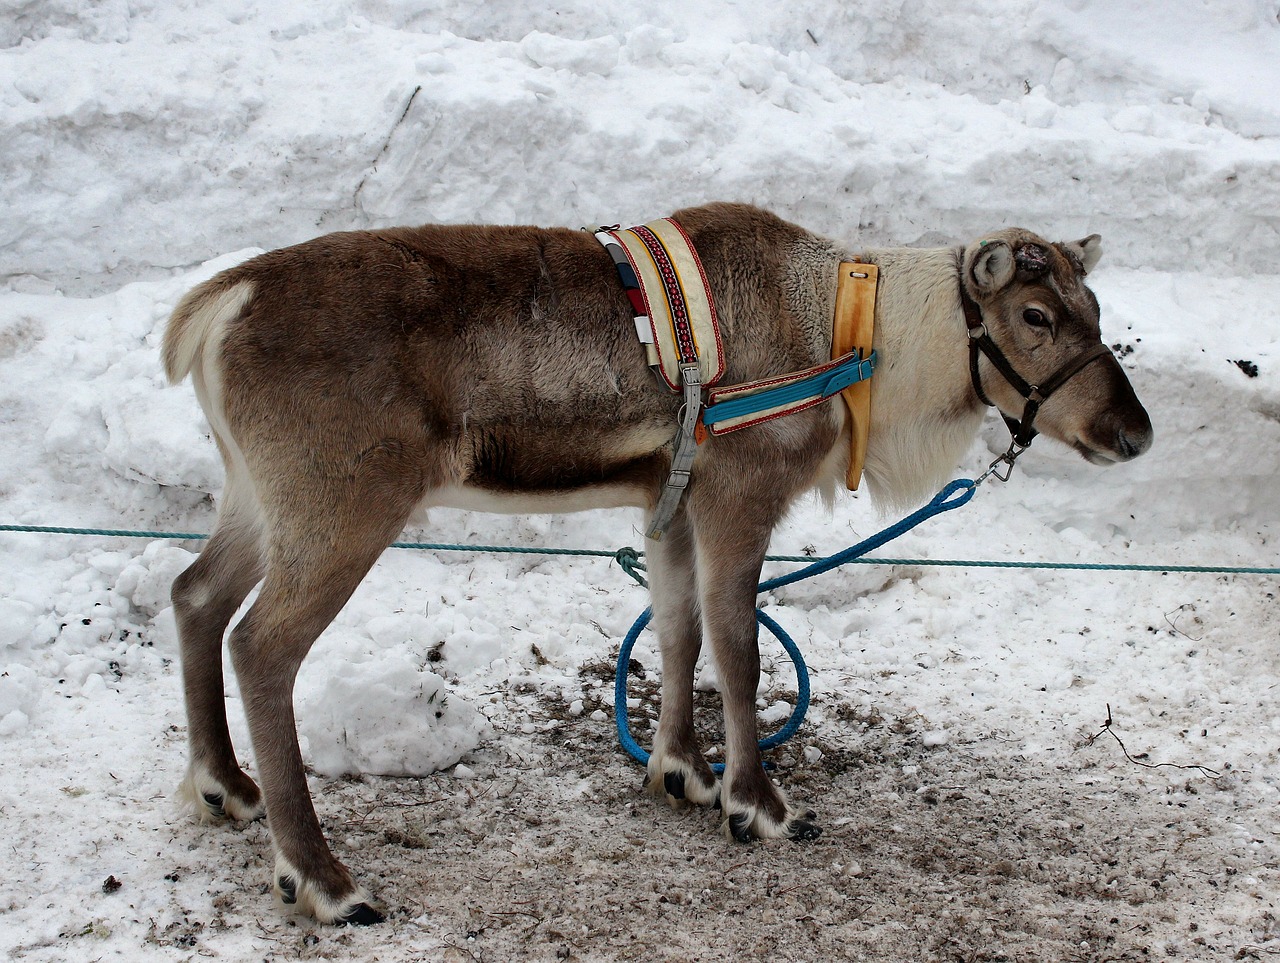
[(803, 831), (740, 828), (233, 796), (288, 890), (673, 783), (361, 915)]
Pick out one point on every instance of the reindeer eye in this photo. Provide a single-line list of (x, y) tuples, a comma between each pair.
[(1036, 317)]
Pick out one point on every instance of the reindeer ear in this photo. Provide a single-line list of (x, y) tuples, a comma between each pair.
[(993, 266), (1088, 250)]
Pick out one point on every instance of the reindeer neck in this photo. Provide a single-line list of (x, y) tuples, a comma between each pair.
[(923, 412)]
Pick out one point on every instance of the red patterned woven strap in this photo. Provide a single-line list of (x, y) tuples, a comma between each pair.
[(677, 302)]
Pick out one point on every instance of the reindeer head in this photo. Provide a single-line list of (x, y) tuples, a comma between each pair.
[(1037, 309)]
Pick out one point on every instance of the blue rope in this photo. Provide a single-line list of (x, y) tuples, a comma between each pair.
[(955, 494), (793, 723)]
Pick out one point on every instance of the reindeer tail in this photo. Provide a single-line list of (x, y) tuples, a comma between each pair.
[(198, 320)]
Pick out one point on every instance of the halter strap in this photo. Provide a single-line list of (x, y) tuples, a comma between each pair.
[(1022, 429)]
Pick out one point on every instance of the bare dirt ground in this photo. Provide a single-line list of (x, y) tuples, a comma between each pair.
[(964, 852)]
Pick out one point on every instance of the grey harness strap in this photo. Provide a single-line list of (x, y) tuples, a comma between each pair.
[(686, 446)]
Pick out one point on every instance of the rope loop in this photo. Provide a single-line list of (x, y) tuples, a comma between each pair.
[(622, 714), (952, 496)]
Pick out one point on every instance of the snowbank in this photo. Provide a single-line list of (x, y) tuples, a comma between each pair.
[(189, 129)]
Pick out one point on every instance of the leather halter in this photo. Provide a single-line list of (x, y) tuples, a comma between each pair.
[(1022, 430)]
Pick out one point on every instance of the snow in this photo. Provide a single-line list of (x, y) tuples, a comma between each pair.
[(148, 145)]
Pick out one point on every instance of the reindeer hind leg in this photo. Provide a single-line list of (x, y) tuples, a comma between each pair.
[(315, 562), (205, 597)]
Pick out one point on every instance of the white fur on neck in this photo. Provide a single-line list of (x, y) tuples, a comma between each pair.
[(923, 413)]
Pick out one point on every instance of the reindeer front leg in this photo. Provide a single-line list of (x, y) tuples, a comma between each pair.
[(678, 770), (732, 536)]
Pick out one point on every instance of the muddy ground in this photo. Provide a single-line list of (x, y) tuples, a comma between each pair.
[(962, 852)]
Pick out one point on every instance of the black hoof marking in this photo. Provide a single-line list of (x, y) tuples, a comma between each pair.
[(673, 782), (215, 803), (362, 915), (288, 890), (804, 831), (739, 824)]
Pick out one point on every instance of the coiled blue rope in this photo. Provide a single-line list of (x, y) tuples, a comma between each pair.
[(955, 494)]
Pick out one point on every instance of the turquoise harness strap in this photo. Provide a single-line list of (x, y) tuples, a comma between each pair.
[(790, 396)]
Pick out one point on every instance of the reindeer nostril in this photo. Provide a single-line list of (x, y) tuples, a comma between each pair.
[(1129, 446)]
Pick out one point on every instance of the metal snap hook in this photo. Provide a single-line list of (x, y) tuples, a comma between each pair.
[(1007, 459)]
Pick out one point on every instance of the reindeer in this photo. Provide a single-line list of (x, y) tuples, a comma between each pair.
[(358, 378)]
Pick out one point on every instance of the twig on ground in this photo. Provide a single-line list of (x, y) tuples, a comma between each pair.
[(533, 916), (386, 145), (360, 818), (462, 949), (1174, 624), (264, 934), (1106, 727)]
